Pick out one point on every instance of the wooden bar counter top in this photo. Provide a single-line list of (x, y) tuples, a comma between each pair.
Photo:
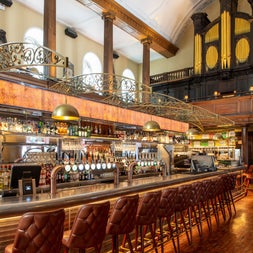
[(64, 198)]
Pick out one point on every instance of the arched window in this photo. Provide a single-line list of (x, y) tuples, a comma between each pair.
[(91, 64), (128, 86), (35, 35)]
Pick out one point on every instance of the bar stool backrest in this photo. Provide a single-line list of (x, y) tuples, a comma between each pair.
[(184, 195), (218, 185), (39, 232), (148, 208), (207, 185), (197, 192), (229, 181), (89, 226), (123, 217), (212, 193), (168, 202)]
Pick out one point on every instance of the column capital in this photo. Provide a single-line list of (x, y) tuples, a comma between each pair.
[(108, 15), (147, 40)]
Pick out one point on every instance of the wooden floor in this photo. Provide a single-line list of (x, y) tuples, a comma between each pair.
[(233, 236)]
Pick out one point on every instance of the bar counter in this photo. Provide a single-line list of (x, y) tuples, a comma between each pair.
[(65, 198), (11, 208)]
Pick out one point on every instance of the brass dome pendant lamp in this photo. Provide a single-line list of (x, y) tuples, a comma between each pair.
[(65, 112), (151, 126)]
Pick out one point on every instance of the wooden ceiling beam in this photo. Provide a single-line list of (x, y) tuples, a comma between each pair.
[(132, 25)]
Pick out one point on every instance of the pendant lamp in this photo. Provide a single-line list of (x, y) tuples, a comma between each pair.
[(151, 126), (65, 112)]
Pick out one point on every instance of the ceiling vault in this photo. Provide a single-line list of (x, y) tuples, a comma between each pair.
[(132, 25)]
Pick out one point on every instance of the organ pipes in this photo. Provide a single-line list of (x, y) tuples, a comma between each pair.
[(225, 40), (198, 54)]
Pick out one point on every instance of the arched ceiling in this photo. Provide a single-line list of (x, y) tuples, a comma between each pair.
[(163, 20)]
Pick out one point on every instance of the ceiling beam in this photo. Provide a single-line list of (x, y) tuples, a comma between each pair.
[(132, 25)]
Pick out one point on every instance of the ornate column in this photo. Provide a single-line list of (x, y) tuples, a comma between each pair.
[(108, 50), (49, 29), (146, 68)]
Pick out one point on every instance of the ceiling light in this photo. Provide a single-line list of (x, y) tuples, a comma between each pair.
[(65, 112), (151, 126)]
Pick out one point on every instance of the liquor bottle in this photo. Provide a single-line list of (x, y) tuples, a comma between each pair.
[(79, 129), (95, 129)]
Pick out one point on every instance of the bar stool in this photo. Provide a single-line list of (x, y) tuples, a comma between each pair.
[(122, 220), (166, 211), (182, 209), (146, 217), (229, 182), (39, 232), (88, 229), (232, 185), (196, 207), (220, 199), (204, 199), (216, 199)]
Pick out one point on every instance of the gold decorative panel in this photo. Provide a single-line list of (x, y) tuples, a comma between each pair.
[(225, 40), (242, 50), (212, 34), (242, 26), (211, 57), (198, 54)]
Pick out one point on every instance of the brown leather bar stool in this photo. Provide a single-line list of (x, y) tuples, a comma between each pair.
[(146, 217), (232, 185), (122, 221), (165, 212), (229, 182), (220, 200), (88, 229), (216, 199), (183, 214), (196, 207), (204, 199), (39, 232)]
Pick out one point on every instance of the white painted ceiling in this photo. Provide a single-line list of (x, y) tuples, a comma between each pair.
[(168, 17)]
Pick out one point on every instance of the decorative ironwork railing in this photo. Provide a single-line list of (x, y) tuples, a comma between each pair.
[(107, 88), (120, 89), (128, 93), (22, 56)]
